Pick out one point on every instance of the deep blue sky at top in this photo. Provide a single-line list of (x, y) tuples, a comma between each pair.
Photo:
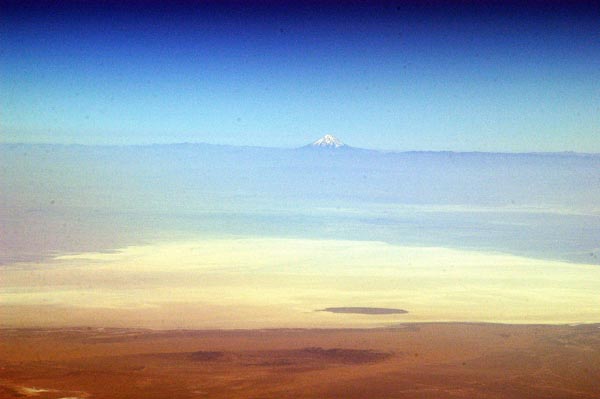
[(468, 75)]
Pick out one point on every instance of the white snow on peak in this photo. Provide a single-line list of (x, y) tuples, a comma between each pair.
[(328, 141)]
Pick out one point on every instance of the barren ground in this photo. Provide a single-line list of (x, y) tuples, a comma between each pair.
[(411, 361)]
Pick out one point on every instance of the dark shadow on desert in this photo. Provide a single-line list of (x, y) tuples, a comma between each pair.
[(364, 310)]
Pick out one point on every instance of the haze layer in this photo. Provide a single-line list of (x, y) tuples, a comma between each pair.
[(225, 237)]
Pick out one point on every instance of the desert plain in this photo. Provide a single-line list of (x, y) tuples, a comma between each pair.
[(259, 318), (299, 199), (421, 360)]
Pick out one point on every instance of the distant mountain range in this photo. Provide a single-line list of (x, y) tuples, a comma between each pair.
[(76, 197), (330, 142), (327, 142)]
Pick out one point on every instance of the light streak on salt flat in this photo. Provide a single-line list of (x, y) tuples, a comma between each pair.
[(270, 283)]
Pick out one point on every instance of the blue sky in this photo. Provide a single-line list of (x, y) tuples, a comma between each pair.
[(463, 76)]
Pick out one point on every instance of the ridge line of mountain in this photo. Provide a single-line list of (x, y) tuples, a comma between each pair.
[(344, 148)]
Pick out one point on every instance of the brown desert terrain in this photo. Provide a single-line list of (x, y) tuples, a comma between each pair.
[(434, 360)]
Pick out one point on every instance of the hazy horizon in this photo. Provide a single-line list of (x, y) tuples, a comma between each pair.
[(345, 199), (250, 237), (295, 147), (173, 175), (488, 76)]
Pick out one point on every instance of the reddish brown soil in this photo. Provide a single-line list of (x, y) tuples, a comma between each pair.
[(413, 361)]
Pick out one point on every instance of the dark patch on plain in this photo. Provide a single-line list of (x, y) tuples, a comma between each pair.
[(313, 357), (364, 310), (205, 356), (344, 355)]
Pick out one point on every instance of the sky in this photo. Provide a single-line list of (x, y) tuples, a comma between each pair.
[(396, 75)]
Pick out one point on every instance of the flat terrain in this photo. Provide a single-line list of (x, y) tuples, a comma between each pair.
[(261, 283), (411, 361)]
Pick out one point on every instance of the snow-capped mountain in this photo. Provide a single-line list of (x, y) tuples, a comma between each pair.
[(328, 141)]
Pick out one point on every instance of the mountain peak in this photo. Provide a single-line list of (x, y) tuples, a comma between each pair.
[(328, 141)]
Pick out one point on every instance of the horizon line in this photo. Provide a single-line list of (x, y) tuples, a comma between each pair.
[(345, 147)]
